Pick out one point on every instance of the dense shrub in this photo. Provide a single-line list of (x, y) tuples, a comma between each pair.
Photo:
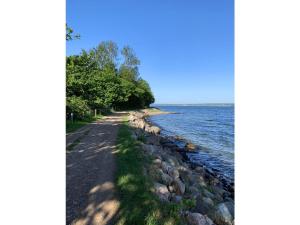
[(78, 107)]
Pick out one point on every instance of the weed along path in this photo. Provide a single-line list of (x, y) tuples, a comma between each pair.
[(90, 161)]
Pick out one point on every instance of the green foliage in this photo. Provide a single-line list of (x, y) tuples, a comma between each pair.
[(95, 81), (78, 107), (76, 124), (138, 204), (72, 126), (69, 34), (188, 204), (142, 138)]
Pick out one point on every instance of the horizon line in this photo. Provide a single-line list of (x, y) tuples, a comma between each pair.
[(209, 103)]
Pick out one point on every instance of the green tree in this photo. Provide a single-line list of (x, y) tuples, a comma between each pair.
[(78, 107), (94, 80), (105, 54), (69, 34)]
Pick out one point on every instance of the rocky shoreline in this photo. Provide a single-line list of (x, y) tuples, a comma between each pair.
[(176, 179)]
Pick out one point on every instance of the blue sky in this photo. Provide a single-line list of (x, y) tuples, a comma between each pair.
[(186, 48)]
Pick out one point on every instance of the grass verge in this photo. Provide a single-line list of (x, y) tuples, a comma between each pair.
[(71, 127), (138, 205)]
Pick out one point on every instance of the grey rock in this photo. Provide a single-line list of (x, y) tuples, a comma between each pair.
[(204, 205), (150, 149), (218, 190), (153, 140), (199, 169), (166, 179), (208, 194), (222, 215), (173, 161), (151, 129), (176, 198), (230, 207), (173, 172), (179, 186), (155, 173), (165, 166), (186, 175), (171, 188), (198, 219), (140, 123), (161, 191), (157, 162), (194, 192)]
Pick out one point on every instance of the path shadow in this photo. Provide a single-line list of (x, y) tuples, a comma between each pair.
[(90, 170)]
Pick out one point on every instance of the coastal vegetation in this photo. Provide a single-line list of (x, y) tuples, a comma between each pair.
[(104, 79), (196, 194), (138, 204), (71, 126)]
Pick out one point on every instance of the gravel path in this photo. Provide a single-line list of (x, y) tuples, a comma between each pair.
[(90, 174)]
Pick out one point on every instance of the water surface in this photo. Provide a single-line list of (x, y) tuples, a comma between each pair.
[(211, 127)]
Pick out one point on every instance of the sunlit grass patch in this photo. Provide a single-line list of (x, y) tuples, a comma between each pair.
[(138, 204), (76, 124)]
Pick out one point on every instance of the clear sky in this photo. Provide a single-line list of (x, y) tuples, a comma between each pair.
[(186, 47)]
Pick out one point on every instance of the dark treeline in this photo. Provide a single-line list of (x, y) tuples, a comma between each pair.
[(105, 78)]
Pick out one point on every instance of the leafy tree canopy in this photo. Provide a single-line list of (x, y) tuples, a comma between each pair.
[(96, 80)]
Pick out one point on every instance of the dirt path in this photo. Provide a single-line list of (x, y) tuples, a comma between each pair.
[(90, 173)]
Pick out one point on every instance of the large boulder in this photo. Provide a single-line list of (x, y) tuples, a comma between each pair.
[(208, 193), (150, 149), (161, 191), (220, 193), (140, 123), (173, 161), (200, 170), (155, 173), (157, 162), (179, 186), (222, 215), (171, 188), (152, 129), (165, 166), (230, 206), (200, 181), (153, 139), (193, 192), (198, 219), (166, 179), (173, 172), (204, 205), (135, 115)]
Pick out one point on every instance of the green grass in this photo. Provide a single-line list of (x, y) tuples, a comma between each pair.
[(71, 127), (138, 205)]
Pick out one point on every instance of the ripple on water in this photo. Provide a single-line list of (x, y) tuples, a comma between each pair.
[(209, 127)]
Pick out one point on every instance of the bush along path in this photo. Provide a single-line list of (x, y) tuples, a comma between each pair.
[(90, 191)]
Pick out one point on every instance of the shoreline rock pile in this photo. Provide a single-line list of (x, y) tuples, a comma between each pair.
[(175, 179)]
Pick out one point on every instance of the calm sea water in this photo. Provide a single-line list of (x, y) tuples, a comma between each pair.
[(211, 127)]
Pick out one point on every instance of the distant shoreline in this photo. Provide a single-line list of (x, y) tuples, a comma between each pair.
[(155, 111), (203, 104)]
